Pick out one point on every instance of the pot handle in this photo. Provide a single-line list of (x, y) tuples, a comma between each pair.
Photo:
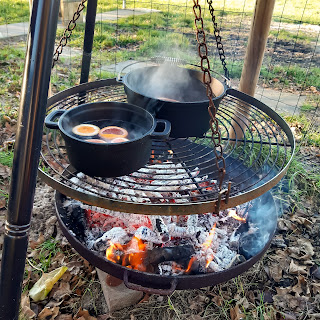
[(137, 287), (54, 115), (164, 134)]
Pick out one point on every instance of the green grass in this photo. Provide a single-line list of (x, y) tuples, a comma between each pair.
[(309, 130), (6, 158), (289, 36), (293, 74), (45, 252), (292, 11), (11, 70), (12, 11)]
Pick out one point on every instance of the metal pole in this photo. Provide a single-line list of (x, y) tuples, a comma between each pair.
[(88, 39), (34, 93)]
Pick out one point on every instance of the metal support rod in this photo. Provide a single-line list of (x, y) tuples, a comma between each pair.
[(88, 40), (34, 94)]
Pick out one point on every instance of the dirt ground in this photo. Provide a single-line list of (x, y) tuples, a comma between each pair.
[(283, 285)]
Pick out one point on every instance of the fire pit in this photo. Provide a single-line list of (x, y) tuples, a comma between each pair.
[(160, 254), (155, 228)]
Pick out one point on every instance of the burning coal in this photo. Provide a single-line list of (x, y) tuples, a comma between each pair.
[(165, 244), (169, 245)]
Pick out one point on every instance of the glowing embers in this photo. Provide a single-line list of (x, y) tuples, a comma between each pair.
[(166, 244), (131, 255)]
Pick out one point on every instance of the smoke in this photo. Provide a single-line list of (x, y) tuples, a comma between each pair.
[(262, 223), (159, 84)]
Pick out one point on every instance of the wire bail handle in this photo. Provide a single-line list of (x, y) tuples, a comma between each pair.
[(214, 125)]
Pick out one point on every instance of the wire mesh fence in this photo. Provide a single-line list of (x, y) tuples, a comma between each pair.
[(128, 30)]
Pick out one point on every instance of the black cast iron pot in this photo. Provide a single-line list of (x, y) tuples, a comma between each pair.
[(175, 94), (109, 159)]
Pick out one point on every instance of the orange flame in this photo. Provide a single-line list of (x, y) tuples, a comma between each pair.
[(209, 259), (190, 264), (111, 253), (233, 214), (207, 244), (132, 254), (136, 258)]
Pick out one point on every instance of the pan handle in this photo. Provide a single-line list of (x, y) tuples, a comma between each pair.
[(51, 117), (137, 287), (164, 134)]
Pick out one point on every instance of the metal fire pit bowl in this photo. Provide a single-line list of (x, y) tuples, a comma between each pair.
[(155, 283), (255, 162)]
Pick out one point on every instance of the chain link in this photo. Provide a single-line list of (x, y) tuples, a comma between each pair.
[(68, 32), (218, 40), (205, 67)]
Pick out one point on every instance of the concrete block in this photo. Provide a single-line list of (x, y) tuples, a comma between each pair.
[(117, 297)]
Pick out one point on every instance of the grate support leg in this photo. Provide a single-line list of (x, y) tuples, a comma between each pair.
[(34, 95)]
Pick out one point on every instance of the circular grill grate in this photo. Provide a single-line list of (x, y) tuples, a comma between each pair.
[(181, 173)]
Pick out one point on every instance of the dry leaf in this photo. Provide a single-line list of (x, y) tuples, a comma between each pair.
[(303, 221), (48, 313), (275, 271), (3, 203), (35, 244), (218, 300), (84, 314), (296, 269), (301, 287), (44, 285), (74, 267), (287, 316), (5, 171), (236, 313), (61, 292), (104, 317), (25, 307), (315, 287), (307, 248), (64, 317)]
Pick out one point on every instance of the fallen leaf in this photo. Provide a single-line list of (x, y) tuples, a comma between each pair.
[(104, 317), (5, 171), (307, 248), (236, 313), (84, 314), (217, 300), (25, 307), (35, 244), (74, 267), (48, 313), (296, 269), (44, 285), (287, 316), (64, 317), (301, 287), (275, 271), (315, 287), (61, 292), (3, 203)]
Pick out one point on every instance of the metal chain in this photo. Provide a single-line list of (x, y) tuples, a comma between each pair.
[(67, 32), (218, 40), (205, 67)]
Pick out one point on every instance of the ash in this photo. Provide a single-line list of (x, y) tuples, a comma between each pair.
[(214, 239), (172, 245)]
